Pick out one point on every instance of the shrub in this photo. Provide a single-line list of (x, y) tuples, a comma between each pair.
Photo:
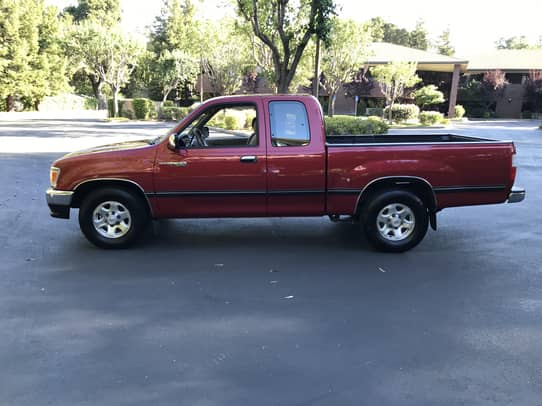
[(248, 120), (402, 112), (348, 125), (232, 122), (168, 103), (174, 113), (428, 95), (374, 111), (143, 109), (110, 107), (91, 103), (459, 111), (431, 117)]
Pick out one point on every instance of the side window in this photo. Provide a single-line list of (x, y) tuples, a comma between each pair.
[(289, 124), (223, 126)]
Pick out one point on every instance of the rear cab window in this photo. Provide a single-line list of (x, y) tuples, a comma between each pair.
[(289, 124)]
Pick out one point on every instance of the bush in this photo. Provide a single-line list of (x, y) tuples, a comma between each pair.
[(110, 107), (459, 111), (402, 112), (348, 125), (91, 103), (428, 95), (232, 122), (431, 117), (168, 103), (174, 113), (374, 111), (143, 108)]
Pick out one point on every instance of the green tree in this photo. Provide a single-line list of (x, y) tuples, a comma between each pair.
[(393, 79), (343, 56), (418, 37), (172, 68), (107, 12), (428, 96), (176, 46), (32, 63), (286, 27), (226, 56), (443, 44), (91, 18), (121, 56), (512, 43)]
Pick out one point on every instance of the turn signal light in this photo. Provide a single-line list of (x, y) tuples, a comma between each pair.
[(53, 175)]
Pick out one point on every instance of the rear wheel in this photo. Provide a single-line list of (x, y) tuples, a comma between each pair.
[(394, 220), (112, 218)]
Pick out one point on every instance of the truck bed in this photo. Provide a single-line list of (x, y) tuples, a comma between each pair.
[(403, 139)]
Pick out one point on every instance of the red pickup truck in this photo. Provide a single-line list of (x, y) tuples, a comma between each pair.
[(268, 155)]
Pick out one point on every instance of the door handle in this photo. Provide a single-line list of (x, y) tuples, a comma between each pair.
[(249, 159), (174, 163)]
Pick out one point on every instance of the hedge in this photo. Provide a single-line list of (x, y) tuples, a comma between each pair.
[(348, 125), (174, 113), (431, 117), (402, 112), (144, 109)]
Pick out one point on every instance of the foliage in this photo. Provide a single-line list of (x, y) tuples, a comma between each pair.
[(375, 111), (431, 117), (107, 12), (459, 111), (174, 113), (512, 43), (168, 103), (393, 79), (226, 57), (349, 125), (285, 27), (402, 112), (143, 108), (382, 31), (427, 96), (443, 44), (67, 101), (232, 122), (175, 47), (342, 56), (533, 91), (495, 79), (32, 64)]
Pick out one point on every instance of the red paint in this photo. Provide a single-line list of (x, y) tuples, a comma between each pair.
[(287, 181)]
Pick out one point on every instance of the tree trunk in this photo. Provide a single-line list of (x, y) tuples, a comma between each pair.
[(316, 81), (10, 103), (390, 114), (115, 102), (97, 89), (331, 104)]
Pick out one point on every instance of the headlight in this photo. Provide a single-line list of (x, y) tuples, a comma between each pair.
[(53, 175)]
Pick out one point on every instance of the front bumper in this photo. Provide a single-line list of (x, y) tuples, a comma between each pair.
[(59, 202), (516, 195)]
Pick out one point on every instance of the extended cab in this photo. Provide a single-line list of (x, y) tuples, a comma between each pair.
[(268, 155)]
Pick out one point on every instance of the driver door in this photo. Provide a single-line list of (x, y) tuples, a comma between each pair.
[(225, 177)]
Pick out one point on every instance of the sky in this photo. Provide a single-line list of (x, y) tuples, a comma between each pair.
[(474, 25)]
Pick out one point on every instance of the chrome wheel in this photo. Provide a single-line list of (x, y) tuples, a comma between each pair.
[(111, 219), (395, 222)]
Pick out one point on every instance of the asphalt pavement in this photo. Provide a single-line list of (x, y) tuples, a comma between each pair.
[(292, 312)]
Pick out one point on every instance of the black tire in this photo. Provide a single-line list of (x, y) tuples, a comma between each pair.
[(398, 233), (131, 207)]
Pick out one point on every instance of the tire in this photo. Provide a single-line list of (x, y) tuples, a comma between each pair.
[(394, 220), (113, 218)]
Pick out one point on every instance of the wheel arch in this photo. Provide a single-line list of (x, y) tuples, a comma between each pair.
[(84, 188), (420, 186)]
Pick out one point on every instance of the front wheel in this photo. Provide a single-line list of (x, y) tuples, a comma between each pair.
[(395, 220), (112, 218)]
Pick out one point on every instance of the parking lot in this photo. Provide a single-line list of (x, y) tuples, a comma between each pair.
[(265, 311)]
